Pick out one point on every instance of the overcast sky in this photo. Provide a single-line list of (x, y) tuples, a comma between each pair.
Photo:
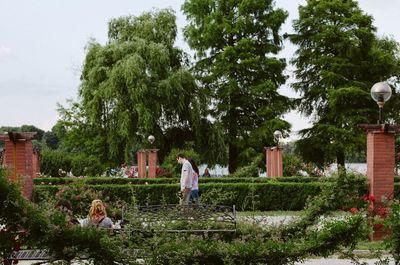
[(42, 49)]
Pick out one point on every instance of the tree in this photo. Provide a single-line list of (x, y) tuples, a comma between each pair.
[(338, 59), (136, 85), (236, 43)]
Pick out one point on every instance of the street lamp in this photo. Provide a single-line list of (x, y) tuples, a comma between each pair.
[(381, 92), (277, 136), (151, 139)]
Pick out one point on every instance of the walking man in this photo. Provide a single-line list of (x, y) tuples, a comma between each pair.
[(186, 178)]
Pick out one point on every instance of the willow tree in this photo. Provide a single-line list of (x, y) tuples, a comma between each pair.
[(236, 44), (338, 59), (135, 85)]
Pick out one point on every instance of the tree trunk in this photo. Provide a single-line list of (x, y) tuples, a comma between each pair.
[(340, 160), (233, 157)]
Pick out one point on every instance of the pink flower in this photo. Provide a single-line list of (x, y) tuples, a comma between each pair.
[(371, 208), (353, 211)]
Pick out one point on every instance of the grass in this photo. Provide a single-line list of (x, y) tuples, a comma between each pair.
[(371, 245)]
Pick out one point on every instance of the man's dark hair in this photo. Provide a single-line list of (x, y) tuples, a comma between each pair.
[(180, 155)]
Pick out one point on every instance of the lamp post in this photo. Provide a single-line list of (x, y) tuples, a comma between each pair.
[(381, 92), (277, 137), (151, 139)]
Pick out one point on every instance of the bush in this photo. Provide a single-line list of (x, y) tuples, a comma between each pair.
[(292, 165), (249, 170), (172, 166), (267, 196), (202, 180), (52, 161)]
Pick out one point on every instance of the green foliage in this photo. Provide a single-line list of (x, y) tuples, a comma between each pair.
[(337, 61), (170, 163), (202, 180), (344, 192), (253, 244), (135, 85), (250, 170), (291, 164), (79, 164), (236, 43), (270, 194)]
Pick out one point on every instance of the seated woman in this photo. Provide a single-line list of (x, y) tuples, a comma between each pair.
[(97, 216)]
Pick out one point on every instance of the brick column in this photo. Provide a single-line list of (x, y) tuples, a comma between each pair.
[(152, 162), (36, 163), (380, 164), (381, 159), (18, 158), (141, 159), (274, 161)]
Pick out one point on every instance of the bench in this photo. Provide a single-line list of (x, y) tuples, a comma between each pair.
[(173, 218)]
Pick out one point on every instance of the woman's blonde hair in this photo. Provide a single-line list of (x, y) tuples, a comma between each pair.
[(96, 209)]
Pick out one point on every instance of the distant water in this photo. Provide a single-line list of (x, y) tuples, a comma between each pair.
[(219, 171), (356, 167)]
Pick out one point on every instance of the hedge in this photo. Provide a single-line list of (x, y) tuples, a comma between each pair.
[(246, 196), (202, 180)]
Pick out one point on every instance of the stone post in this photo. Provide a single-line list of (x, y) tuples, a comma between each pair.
[(274, 161)]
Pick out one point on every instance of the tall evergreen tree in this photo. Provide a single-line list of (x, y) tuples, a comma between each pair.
[(338, 60), (135, 85), (236, 43)]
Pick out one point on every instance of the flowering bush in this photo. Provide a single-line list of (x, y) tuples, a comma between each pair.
[(124, 171), (79, 196), (373, 211)]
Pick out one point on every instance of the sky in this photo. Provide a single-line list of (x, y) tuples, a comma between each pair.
[(42, 49)]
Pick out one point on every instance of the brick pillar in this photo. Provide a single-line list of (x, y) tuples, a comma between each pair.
[(380, 159), (141, 159), (274, 161), (19, 159), (152, 162), (380, 164), (36, 163)]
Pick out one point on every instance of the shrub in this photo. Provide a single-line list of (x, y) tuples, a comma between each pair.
[(271, 196), (172, 166), (79, 164)]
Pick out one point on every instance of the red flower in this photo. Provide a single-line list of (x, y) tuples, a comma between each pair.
[(353, 211), (369, 197), (379, 226), (382, 211)]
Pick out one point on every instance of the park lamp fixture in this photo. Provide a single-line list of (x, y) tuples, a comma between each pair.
[(277, 137), (151, 139), (381, 92)]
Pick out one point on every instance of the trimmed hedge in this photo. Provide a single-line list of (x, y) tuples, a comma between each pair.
[(202, 180), (246, 196)]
